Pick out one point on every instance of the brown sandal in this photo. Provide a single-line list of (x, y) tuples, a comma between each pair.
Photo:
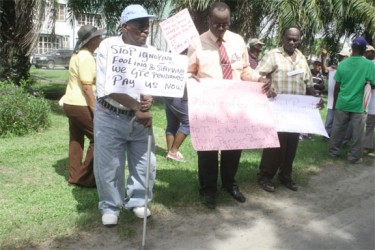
[(266, 185)]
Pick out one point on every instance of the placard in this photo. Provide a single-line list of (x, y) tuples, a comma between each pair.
[(179, 30), (297, 114), (135, 70), (227, 115)]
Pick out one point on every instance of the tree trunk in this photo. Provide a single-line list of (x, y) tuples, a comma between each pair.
[(14, 61)]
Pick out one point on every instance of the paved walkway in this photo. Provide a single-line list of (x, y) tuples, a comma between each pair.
[(336, 211)]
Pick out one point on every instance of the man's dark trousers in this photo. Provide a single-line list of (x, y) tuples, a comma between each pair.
[(208, 167), (281, 158)]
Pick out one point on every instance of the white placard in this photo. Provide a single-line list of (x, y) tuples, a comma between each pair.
[(135, 70), (297, 114), (179, 30), (331, 87)]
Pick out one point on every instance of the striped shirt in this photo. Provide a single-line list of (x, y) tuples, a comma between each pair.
[(287, 77)]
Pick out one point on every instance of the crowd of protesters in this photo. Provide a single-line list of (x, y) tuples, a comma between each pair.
[(120, 123)]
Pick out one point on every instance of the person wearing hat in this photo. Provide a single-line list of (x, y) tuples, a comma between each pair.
[(368, 140), (351, 77), (370, 53), (318, 76), (342, 55), (79, 102), (112, 125), (254, 51)]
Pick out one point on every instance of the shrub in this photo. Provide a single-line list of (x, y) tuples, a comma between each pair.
[(21, 112)]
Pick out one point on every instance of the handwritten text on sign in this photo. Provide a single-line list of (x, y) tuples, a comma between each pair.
[(297, 114), (179, 30), (135, 70), (234, 115)]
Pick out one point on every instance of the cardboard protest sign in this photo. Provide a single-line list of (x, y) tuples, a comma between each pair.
[(297, 114), (135, 70), (179, 30), (227, 115)]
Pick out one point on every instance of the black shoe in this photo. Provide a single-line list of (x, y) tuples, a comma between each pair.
[(208, 200), (236, 194), (289, 184)]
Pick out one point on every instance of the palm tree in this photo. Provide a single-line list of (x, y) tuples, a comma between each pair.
[(330, 19), (20, 22)]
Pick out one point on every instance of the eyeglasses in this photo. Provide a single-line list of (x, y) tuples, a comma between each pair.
[(139, 26), (222, 25)]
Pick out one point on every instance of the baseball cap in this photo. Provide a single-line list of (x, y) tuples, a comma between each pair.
[(370, 48), (359, 42), (134, 11), (255, 41), (344, 52)]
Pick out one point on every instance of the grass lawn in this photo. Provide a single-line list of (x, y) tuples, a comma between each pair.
[(51, 82), (37, 204)]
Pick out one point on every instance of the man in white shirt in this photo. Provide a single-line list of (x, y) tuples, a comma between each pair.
[(116, 138)]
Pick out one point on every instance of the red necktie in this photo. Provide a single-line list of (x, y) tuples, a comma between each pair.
[(224, 60)]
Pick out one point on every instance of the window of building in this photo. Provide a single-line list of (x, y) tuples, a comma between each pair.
[(87, 19), (61, 13), (47, 43)]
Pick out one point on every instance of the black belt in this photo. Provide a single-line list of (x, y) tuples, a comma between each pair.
[(108, 106)]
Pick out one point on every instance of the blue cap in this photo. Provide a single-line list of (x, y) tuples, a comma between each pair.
[(134, 11), (359, 42)]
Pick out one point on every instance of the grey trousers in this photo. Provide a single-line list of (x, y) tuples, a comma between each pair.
[(114, 144), (340, 124), (368, 140)]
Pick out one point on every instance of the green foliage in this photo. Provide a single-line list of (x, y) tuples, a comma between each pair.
[(330, 20), (20, 111)]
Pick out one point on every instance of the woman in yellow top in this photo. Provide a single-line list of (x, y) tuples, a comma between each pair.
[(79, 102)]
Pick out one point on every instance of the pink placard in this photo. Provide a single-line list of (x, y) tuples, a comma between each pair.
[(179, 30), (227, 115)]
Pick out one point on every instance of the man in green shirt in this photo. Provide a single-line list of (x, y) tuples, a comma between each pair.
[(351, 77)]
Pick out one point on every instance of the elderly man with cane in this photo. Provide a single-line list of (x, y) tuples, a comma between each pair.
[(116, 137)]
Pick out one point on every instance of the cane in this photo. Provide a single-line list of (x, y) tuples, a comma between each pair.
[(149, 141)]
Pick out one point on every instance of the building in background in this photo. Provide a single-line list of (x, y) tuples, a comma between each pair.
[(65, 35), (66, 27)]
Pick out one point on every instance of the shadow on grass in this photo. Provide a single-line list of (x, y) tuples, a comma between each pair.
[(160, 151), (62, 168), (175, 187), (87, 198)]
